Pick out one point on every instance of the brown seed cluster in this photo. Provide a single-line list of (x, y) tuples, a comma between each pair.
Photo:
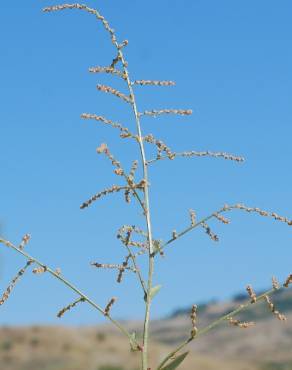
[(14, 281), (125, 133), (133, 171), (259, 211), (109, 306), (116, 60), (288, 281), (89, 10), (70, 306), (209, 232), (208, 153), (251, 293), (112, 189), (174, 234), (239, 324), (153, 83), (155, 113), (275, 283), (111, 90), (40, 270), (161, 146), (194, 321), (123, 269), (222, 218), (111, 266), (272, 308), (25, 240), (108, 70), (193, 217)]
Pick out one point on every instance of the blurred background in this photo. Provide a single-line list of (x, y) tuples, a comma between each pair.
[(232, 65)]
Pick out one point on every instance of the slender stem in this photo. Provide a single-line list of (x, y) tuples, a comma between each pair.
[(215, 323), (147, 216), (69, 285), (137, 269), (188, 229)]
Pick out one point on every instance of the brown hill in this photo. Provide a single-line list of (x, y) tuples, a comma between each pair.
[(267, 346)]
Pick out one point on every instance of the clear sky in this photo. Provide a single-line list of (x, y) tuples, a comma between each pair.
[(232, 63)]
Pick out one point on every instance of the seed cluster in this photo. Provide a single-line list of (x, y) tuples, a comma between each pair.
[(209, 232), (207, 153), (108, 70), (155, 112), (112, 266), (40, 270), (109, 306), (221, 218), (70, 306), (251, 293), (193, 217), (89, 10), (194, 320), (123, 269), (288, 281), (14, 281), (271, 305), (111, 90), (259, 211), (25, 240), (275, 283), (161, 146), (153, 83), (125, 133), (239, 324)]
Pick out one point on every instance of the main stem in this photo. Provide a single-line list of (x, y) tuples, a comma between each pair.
[(147, 216)]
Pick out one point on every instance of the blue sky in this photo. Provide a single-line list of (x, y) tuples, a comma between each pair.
[(232, 65)]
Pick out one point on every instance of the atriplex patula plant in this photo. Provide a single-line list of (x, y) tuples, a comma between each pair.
[(138, 242)]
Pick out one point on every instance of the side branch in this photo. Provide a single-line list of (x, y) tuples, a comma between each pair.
[(153, 83), (228, 208), (58, 276), (155, 113), (108, 70), (206, 153), (217, 322)]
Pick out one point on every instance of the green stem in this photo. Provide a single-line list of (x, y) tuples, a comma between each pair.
[(147, 216)]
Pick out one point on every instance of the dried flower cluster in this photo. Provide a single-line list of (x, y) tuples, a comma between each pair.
[(70, 306), (239, 324), (194, 320), (154, 112), (109, 306), (108, 89), (251, 293), (14, 281), (136, 242), (271, 305), (153, 83)]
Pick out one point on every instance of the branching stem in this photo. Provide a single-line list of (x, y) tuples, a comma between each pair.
[(68, 284), (214, 324)]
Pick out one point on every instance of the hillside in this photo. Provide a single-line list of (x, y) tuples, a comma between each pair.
[(267, 346)]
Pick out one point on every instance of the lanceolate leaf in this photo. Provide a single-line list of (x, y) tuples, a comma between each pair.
[(155, 290), (175, 363)]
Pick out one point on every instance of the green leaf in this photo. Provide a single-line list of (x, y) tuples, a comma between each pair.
[(133, 343), (176, 362), (155, 290), (157, 246)]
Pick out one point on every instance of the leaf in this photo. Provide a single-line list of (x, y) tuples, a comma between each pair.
[(155, 290), (175, 363), (133, 343)]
